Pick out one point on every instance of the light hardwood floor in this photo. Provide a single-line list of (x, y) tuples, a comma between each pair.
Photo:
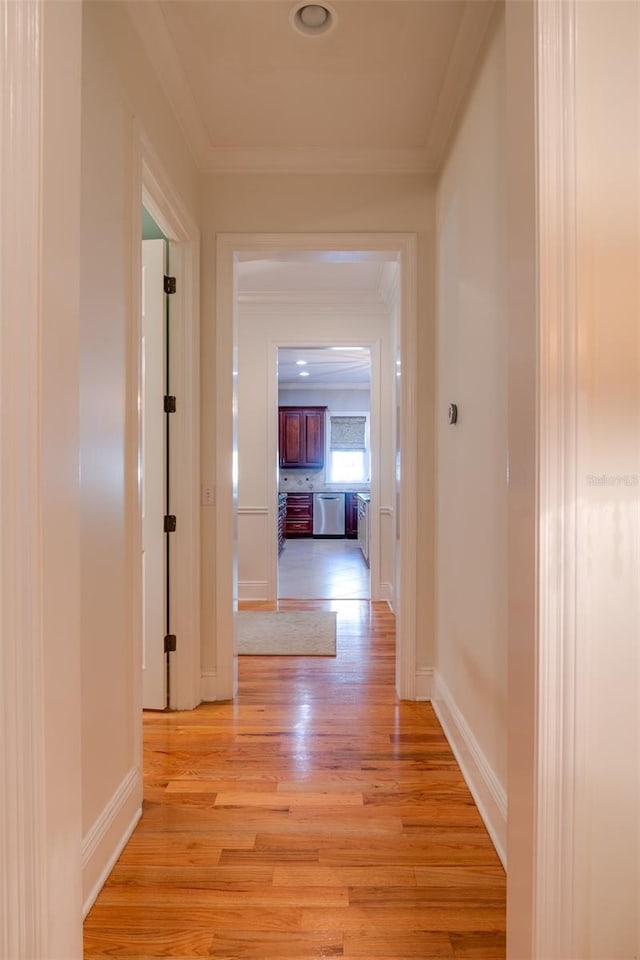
[(317, 816)]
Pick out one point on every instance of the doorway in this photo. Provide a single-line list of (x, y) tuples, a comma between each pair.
[(260, 486), (166, 219), (155, 415), (324, 471)]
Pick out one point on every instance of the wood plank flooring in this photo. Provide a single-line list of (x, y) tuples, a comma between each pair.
[(317, 816)]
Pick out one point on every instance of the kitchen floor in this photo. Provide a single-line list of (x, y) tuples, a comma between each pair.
[(323, 570)]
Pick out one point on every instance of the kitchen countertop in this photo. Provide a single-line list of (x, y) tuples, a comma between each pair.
[(335, 489)]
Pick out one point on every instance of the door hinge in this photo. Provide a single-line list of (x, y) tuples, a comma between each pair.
[(169, 284), (170, 643), (169, 404), (170, 523)]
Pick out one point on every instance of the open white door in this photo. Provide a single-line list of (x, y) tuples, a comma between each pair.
[(154, 472)]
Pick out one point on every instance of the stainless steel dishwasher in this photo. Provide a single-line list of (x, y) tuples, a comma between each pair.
[(328, 514)]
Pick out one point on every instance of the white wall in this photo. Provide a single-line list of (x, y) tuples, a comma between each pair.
[(471, 565), (260, 328), (606, 884), (340, 399), (269, 203), (117, 85)]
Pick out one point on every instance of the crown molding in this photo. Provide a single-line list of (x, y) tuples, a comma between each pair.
[(151, 27), (154, 34), (461, 69), (331, 298), (359, 385), (316, 160)]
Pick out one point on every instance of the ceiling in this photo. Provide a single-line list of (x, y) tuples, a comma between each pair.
[(315, 277), (324, 367), (380, 92)]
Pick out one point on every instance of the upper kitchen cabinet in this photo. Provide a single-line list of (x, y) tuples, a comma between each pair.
[(301, 436)]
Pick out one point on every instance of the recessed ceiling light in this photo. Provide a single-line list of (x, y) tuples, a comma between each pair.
[(312, 19), (301, 363), (304, 373), (346, 348)]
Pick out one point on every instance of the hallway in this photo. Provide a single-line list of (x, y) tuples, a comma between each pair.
[(317, 816)]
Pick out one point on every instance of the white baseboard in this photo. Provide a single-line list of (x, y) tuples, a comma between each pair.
[(253, 589), (209, 685), (386, 593), (424, 683), (105, 841), (487, 791)]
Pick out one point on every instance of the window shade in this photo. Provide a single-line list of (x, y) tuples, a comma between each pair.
[(348, 433)]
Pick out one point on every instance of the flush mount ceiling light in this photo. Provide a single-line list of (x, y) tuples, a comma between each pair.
[(304, 373), (301, 363), (313, 19)]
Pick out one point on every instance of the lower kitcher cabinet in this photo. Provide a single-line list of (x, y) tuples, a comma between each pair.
[(299, 518), (351, 515)]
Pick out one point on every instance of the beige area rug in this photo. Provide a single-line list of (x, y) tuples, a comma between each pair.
[(297, 633)]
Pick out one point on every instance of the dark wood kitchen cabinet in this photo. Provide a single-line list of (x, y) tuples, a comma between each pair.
[(299, 518), (351, 515), (301, 436)]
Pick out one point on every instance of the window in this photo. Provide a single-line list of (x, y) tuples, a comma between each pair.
[(348, 448)]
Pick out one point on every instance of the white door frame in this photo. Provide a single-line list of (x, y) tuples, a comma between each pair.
[(543, 390), (226, 435), (40, 647), (153, 188)]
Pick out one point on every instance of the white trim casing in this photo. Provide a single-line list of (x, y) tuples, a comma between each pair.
[(153, 187), (226, 501), (228, 245), (23, 825), (489, 795), (555, 760), (209, 691), (387, 593), (375, 443), (406, 588), (424, 683), (185, 473), (522, 335), (40, 757), (253, 590)]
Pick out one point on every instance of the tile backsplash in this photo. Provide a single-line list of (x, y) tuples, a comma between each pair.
[(302, 479)]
